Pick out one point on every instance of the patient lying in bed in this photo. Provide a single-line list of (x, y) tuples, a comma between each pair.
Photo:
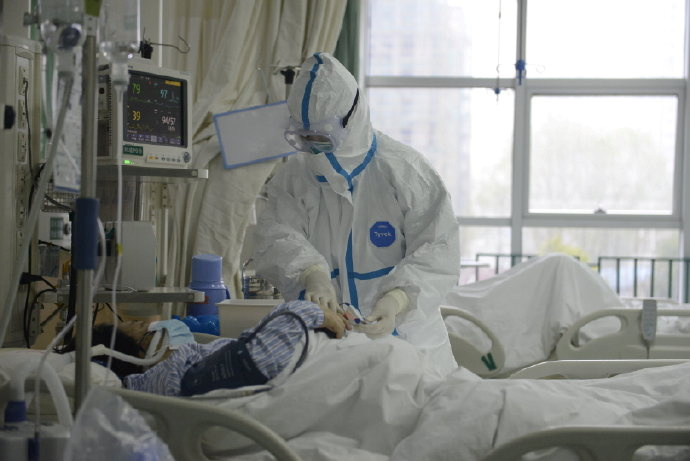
[(257, 356)]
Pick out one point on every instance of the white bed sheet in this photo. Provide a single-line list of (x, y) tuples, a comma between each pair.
[(530, 306), (358, 399)]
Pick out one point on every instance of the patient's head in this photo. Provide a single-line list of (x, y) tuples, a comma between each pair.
[(131, 338)]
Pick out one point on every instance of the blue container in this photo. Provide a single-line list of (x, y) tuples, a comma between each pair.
[(201, 324), (207, 277)]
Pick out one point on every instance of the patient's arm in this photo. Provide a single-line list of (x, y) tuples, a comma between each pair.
[(270, 349)]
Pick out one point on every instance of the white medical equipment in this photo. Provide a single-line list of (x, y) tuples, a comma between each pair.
[(55, 228), (17, 432), (20, 116), (152, 125), (138, 258)]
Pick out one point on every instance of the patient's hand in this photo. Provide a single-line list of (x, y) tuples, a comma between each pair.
[(335, 323)]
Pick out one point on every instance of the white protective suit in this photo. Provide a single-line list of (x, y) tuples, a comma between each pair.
[(374, 214)]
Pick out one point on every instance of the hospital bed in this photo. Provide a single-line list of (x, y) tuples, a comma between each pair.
[(614, 340), (181, 423), (554, 307), (184, 423)]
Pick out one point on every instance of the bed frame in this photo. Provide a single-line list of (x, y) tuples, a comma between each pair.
[(181, 423), (605, 443), (626, 343), (485, 364)]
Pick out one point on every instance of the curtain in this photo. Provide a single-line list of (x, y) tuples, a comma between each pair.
[(347, 48), (237, 48)]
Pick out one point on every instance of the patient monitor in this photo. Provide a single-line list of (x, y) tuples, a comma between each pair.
[(151, 125)]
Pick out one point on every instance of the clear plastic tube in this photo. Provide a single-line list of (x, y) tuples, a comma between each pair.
[(37, 380), (102, 350), (101, 263), (118, 236), (55, 387)]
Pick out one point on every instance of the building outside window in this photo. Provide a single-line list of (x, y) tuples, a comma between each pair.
[(585, 151)]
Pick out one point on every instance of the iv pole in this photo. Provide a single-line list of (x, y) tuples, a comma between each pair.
[(86, 225)]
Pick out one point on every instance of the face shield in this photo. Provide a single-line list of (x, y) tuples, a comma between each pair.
[(324, 136)]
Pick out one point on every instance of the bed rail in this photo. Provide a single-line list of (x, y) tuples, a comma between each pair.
[(182, 422), (487, 364), (626, 343), (598, 443), (588, 369)]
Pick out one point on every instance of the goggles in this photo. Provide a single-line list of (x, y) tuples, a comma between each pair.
[(324, 136)]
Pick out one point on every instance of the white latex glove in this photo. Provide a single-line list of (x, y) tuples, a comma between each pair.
[(319, 289), (381, 321)]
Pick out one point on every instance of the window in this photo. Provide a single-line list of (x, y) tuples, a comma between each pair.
[(465, 133), (603, 154), (586, 147), (606, 39)]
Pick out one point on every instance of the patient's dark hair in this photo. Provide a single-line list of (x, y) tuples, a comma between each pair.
[(123, 343)]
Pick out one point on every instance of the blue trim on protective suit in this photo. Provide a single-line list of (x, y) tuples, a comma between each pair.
[(339, 169), (370, 275), (367, 159), (350, 269), (342, 172), (335, 272), (320, 178), (307, 91)]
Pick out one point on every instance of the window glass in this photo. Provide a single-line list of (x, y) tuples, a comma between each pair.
[(465, 133), (475, 241), (605, 39), (612, 154), (590, 244), (441, 37)]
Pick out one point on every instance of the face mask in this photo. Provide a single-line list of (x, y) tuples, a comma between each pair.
[(319, 147), (178, 332)]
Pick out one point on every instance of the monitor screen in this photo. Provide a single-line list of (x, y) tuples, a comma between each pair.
[(155, 110)]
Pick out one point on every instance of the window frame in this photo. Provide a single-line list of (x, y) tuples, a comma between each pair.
[(520, 217)]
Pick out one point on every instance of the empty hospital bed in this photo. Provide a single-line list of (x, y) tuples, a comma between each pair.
[(552, 307)]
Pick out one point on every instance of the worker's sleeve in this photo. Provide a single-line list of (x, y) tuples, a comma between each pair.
[(281, 250), (431, 265)]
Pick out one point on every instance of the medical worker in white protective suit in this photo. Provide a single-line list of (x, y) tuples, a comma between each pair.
[(358, 217)]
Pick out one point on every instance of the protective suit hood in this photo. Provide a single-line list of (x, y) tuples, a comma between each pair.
[(325, 89)]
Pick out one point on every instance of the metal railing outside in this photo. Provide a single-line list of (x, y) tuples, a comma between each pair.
[(648, 268), (660, 276)]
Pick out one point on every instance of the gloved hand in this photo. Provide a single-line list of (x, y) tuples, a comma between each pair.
[(319, 289), (381, 321)]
